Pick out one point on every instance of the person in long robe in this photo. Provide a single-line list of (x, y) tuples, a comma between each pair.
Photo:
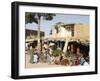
[(35, 58)]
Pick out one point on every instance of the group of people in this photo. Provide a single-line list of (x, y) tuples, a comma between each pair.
[(77, 53)]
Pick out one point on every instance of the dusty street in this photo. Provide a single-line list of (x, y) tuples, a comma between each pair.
[(37, 65)]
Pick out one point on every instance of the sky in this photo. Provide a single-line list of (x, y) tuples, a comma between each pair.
[(65, 18)]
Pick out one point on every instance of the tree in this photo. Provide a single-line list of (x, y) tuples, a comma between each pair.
[(57, 52), (50, 32), (57, 26), (36, 18)]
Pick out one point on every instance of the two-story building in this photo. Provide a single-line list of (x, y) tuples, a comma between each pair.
[(73, 30)]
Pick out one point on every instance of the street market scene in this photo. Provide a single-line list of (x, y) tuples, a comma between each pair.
[(56, 40)]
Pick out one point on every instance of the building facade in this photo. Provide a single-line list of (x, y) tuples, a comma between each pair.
[(76, 31), (33, 33)]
